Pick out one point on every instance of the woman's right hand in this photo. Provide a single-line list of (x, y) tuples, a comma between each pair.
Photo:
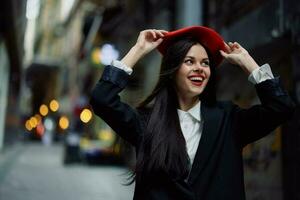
[(147, 41)]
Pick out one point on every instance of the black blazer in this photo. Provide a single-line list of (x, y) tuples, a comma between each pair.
[(217, 170)]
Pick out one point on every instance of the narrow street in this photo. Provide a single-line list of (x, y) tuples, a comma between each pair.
[(36, 172)]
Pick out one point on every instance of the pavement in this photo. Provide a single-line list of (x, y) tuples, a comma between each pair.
[(32, 171)]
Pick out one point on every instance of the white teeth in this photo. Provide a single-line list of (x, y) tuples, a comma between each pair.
[(196, 79)]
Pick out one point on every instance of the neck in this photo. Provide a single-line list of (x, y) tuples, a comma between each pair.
[(186, 103)]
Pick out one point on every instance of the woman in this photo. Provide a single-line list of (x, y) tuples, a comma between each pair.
[(188, 145)]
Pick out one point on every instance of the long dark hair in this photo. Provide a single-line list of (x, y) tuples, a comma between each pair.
[(163, 147)]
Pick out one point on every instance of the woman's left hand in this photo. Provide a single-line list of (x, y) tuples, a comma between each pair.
[(237, 55)]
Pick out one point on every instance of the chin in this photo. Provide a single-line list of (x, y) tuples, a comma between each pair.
[(195, 92)]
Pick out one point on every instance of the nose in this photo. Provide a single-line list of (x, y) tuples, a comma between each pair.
[(198, 68)]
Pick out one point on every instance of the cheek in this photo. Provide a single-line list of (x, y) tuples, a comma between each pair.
[(208, 73), (207, 76), (206, 82)]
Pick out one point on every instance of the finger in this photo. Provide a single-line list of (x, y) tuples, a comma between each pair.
[(227, 47), (157, 42), (151, 34), (160, 34), (224, 54), (231, 45), (146, 33), (163, 31), (237, 44), (234, 45)]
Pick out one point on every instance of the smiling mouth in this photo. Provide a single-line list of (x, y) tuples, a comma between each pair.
[(196, 80)]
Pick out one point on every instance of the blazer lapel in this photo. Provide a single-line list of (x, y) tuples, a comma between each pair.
[(212, 121)]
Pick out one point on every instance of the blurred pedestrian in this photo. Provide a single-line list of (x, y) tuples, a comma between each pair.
[(188, 144)]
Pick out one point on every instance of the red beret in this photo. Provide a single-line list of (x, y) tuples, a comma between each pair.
[(207, 37)]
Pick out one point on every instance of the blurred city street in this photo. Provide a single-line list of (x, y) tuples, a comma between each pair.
[(54, 52), (32, 171)]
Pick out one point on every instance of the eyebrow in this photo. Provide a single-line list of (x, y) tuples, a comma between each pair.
[(194, 57)]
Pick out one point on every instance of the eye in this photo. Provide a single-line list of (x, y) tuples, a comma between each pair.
[(205, 63), (189, 62)]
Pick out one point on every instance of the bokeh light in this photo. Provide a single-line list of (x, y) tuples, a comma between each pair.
[(44, 110), (108, 53), (38, 118), (86, 115), (33, 122), (54, 105), (105, 135), (40, 129), (96, 56), (63, 122), (28, 125)]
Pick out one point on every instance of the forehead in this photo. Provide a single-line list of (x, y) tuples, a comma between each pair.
[(197, 51)]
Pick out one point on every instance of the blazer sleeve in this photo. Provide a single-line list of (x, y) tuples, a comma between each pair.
[(257, 121), (106, 103)]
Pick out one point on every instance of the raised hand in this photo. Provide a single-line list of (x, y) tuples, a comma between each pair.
[(147, 41), (237, 55)]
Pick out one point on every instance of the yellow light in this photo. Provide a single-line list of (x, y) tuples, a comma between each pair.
[(28, 126), (44, 110), (54, 105), (85, 143), (33, 122), (38, 118), (96, 56), (105, 135), (63, 122), (86, 115)]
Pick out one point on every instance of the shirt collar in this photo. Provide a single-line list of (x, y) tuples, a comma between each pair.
[(194, 112)]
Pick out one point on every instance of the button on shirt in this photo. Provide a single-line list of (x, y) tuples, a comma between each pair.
[(191, 122)]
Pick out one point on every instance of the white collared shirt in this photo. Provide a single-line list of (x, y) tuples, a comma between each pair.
[(191, 122)]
